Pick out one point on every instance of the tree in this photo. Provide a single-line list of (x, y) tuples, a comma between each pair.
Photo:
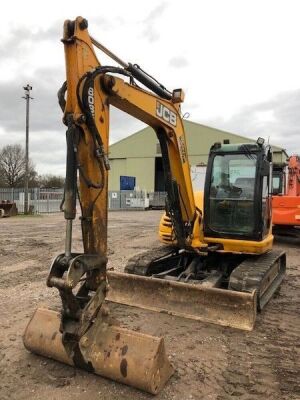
[(12, 167), (51, 181)]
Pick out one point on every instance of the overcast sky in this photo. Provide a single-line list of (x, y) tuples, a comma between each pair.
[(238, 62)]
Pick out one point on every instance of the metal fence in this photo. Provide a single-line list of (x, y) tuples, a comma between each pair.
[(157, 200), (49, 200), (39, 200)]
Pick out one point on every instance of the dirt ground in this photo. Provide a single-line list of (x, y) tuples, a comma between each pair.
[(211, 362)]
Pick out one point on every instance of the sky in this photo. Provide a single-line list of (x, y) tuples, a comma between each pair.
[(238, 62)]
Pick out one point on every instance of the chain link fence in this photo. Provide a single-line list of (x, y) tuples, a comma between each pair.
[(49, 200)]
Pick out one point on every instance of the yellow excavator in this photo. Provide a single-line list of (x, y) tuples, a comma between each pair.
[(216, 264)]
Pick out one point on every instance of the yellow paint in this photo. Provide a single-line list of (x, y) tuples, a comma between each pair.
[(141, 104), (243, 246)]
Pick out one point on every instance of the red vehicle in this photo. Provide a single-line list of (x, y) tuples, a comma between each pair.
[(286, 197)]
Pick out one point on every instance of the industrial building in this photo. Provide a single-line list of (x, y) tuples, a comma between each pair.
[(136, 160)]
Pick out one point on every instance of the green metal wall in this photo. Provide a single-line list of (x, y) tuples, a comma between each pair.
[(135, 155), (141, 168), (117, 168)]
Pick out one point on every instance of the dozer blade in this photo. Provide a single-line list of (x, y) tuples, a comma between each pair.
[(217, 306), (133, 358)]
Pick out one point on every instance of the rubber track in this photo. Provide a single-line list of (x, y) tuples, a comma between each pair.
[(139, 263), (249, 275)]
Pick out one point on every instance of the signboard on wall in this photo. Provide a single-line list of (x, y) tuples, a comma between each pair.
[(127, 182)]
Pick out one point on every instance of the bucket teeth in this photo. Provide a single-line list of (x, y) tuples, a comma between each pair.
[(126, 356)]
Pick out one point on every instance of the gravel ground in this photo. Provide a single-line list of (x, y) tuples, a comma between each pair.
[(211, 362)]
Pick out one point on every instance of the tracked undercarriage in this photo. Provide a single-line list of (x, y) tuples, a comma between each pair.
[(221, 288)]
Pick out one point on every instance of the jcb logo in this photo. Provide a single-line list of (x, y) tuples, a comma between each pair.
[(166, 114), (91, 101)]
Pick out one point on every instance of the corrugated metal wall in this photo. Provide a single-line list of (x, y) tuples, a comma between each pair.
[(135, 155)]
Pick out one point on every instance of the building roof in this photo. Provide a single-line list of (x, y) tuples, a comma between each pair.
[(199, 140)]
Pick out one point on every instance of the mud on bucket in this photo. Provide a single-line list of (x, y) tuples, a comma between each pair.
[(126, 356)]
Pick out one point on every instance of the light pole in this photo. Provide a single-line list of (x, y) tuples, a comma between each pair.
[(27, 98)]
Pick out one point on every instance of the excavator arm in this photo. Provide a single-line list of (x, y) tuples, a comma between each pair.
[(164, 117), (91, 89), (83, 334)]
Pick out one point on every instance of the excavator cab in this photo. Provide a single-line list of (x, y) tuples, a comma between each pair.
[(233, 272), (237, 192), (279, 179)]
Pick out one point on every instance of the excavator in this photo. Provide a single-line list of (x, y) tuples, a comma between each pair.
[(286, 198), (216, 263)]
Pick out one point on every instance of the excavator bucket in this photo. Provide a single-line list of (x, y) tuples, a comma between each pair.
[(129, 357), (207, 304)]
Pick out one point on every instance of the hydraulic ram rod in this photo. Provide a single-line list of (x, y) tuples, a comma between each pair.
[(109, 53), (142, 76)]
